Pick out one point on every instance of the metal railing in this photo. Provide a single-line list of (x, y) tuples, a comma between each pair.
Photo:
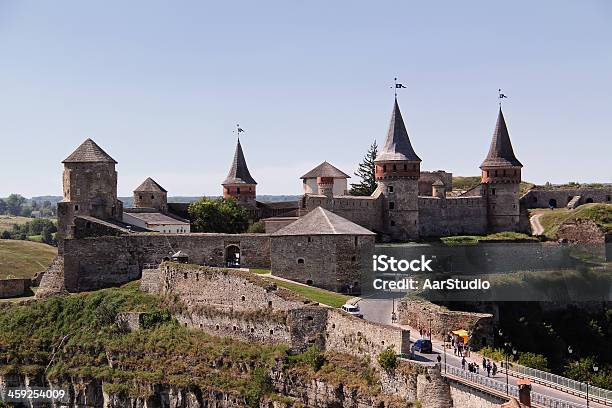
[(500, 387), (601, 394)]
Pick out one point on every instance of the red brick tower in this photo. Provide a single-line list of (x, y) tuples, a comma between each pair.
[(501, 178), (239, 184)]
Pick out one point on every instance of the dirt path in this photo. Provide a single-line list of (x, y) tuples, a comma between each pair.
[(536, 227)]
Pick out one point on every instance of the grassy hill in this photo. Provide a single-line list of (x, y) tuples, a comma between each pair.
[(22, 259), (467, 182), (601, 214)]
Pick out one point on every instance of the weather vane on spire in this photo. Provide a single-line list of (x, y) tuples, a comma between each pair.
[(397, 86), (238, 130), (501, 96)]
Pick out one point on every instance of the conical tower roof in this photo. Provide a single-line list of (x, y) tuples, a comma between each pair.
[(150, 185), (397, 146), (89, 152), (501, 153), (239, 172)]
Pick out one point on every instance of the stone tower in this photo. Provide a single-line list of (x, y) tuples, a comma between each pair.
[(151, 195), (90, 187), (239, 184), (397, 172), (501, 178)]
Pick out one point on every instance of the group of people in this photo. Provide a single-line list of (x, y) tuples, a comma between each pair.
[(459, 347), (487, 366)]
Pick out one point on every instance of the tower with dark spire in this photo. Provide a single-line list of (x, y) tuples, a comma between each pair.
[(397, 172), (90, 187), (239, 184), (501, 178)]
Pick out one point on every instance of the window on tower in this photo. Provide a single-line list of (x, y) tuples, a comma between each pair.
[(391, 205), (394, 167), (389, 189), (238, 190), (492, 191)]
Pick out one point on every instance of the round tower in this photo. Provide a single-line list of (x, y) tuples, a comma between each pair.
[(239, 184), (501, 178), (326, 186), (397, 171)]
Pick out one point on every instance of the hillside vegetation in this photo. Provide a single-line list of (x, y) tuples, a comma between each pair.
[(22, 259), (7, 222), (76, 336), (601, 214)]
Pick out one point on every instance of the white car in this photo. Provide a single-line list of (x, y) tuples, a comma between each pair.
[(352, 310)]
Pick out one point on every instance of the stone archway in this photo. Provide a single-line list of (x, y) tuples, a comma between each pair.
[(589, 200), (552, 203), (232, 256)]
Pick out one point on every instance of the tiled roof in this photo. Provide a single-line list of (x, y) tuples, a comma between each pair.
[(322, 222), (89, 151), (325, 170), (156, 218), (239, 172), (150, 185), (501, 153), (397, 146)]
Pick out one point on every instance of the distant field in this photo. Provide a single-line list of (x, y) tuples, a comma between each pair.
[(465, 183), (22, 259), (7, 222)]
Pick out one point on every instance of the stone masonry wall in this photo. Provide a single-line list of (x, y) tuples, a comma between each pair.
[(94, 263), (365, 211), (452, 216), (416, 313), (333, 262), (352, 335), (543, 197), (13, 287)]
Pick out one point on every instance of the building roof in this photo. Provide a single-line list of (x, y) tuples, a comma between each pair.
[(89, 152), (239, 172), (501, 153), (397, 145), (438, 182), (156, 218), (150, 185), (325, 170), (322, 222)]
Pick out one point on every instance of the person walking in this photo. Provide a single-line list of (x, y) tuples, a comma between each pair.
[(489, 368), (463, 363), (439, 359), (484, 362), (494, 369)]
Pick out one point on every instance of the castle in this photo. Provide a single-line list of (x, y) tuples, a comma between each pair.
[(324, 239)]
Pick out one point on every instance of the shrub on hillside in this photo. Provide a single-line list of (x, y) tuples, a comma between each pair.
[(257, 228), (388, 359)]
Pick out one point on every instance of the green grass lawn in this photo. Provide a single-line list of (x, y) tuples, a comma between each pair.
[(260, 271), (22, 259), (474, 239), (7, 222), (315, 294), (601, 214)]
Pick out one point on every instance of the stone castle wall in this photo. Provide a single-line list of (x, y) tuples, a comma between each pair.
[(13, 287), (94, 263), (333, 262), (427, 178), (560, 197), (416, 313), (452, 216), (365, 211), (242, 305)]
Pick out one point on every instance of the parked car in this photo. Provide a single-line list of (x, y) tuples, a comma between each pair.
[(352, 310), (422, 346)]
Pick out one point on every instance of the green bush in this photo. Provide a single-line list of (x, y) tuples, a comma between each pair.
[(533, 360), (388, 359), (257, 228)]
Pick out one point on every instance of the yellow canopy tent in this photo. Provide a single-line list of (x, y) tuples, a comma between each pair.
[(463, 334)]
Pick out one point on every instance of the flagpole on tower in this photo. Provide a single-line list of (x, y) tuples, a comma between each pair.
[(501, 96)]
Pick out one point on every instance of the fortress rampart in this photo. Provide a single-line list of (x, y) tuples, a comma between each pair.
[(560, 197), (452, 216), (242, 305)]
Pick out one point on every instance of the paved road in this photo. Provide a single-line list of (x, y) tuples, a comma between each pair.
[(536, 228), (379, 310)]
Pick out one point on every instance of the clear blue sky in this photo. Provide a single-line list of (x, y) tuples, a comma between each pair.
[(161, 85)]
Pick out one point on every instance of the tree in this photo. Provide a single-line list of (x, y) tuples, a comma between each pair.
[(365, 172), (219, 215), (257, 228), (3, 206), (14, 202), (388, 359)]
